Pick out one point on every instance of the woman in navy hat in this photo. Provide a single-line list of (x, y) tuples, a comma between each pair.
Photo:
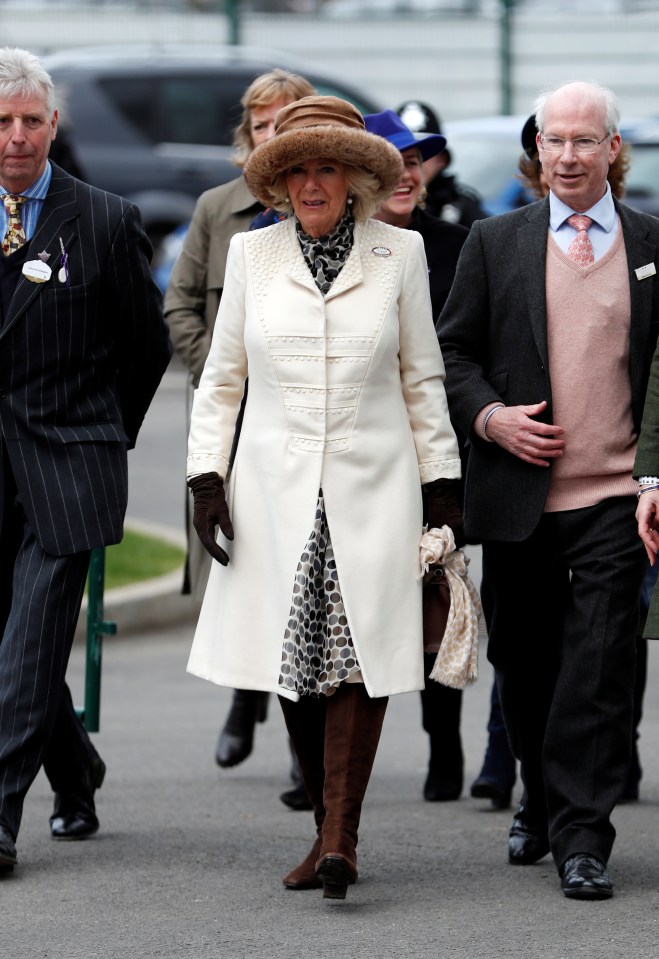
[(448, 199), (404, 208), (443, 241)]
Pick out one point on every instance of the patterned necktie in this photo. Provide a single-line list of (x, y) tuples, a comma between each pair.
[(581, 249), (15, 237)]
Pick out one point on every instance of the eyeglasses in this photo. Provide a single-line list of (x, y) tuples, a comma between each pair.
[(581, 145)]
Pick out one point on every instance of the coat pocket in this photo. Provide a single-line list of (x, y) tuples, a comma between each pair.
[(499, 381), (89, 433)]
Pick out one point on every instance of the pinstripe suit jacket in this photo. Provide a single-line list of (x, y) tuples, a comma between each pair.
[(493, 334), (79, 365)]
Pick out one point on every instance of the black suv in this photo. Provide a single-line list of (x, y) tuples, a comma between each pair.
[(156, 124)]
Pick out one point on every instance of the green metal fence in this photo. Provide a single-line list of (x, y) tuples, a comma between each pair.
[(97, 628)]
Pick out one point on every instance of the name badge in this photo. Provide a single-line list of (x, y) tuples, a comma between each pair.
[(644, 271), (36, 271)]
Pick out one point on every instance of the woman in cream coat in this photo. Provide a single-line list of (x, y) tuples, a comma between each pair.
[(346, 417)]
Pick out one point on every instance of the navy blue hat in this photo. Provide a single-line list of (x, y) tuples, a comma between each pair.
[(390, 126)]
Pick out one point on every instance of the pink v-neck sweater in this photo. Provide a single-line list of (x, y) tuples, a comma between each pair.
[(588, 323)]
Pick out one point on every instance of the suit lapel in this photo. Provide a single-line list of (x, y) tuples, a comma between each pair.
[(58, 212), (532, 254)]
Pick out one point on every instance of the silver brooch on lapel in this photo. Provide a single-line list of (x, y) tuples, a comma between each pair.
[(381, 251)]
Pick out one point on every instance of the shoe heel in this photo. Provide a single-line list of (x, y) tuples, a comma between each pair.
[(335, 875), (335, 890)]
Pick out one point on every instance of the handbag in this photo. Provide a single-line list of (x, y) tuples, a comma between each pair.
[(436, 606)]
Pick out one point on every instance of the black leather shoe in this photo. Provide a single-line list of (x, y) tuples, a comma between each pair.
[(439, 788), (237, 736), (7, 850), (296, 798), (483, 788), (526, 843), (74, 815), (585, 877)]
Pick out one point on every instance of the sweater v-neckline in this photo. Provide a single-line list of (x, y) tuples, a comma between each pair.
[(592, 267)]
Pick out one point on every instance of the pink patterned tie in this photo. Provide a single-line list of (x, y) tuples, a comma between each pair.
[(581, 249), (15, 237)]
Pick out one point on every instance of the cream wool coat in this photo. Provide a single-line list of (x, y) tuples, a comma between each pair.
[(346, 393)]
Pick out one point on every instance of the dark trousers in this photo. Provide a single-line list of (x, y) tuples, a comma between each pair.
[(562, 615), (440, 717), (40, 597)]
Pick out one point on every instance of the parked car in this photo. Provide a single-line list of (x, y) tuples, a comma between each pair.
[(156, 124), (643, 180), (485, 153)]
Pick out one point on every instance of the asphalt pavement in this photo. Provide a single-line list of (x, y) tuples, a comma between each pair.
[(189, 858)]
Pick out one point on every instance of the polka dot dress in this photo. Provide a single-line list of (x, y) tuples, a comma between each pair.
[(317, 652)]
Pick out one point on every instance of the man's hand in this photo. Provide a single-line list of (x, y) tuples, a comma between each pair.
[(513, 428), (210, 511), (646, 516)]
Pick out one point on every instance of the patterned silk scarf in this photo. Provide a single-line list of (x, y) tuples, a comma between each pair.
[(325, 255)]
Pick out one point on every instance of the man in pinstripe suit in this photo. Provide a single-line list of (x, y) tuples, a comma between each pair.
[(83, 346)]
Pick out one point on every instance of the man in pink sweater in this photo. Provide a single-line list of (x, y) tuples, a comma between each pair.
[(547, 337)]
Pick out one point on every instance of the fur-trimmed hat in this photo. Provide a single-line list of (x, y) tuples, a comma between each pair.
[(321, 127)]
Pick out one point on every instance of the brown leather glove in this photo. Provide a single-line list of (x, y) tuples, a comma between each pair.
[(441, 507), (210, 511)]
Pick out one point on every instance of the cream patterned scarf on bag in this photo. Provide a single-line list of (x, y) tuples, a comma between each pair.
[(456, 664)]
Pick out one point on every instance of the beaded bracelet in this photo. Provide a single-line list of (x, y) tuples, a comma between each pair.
[(488, 415)]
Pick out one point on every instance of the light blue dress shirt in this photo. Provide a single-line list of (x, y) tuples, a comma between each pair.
[(603, 231), (31, 209)]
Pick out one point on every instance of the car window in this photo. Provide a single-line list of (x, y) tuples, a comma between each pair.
[(179, 109), (198, 109), (134, 97), (484, 166), (643, 176), (190, 108)]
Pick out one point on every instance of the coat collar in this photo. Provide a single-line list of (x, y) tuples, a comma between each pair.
[(241, 199), (640, 251), (59, 211), (351, 273), (532, 255)]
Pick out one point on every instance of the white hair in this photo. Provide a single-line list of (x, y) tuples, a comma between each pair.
[(593, 91), (23, 75)]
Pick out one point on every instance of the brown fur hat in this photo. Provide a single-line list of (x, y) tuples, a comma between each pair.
[(321, 127)]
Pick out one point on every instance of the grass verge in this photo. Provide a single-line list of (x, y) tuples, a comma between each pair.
[(138, 557)]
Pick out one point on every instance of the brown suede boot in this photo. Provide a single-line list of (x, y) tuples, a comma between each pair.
[(353, 724), (304, 875), (305, 722)]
